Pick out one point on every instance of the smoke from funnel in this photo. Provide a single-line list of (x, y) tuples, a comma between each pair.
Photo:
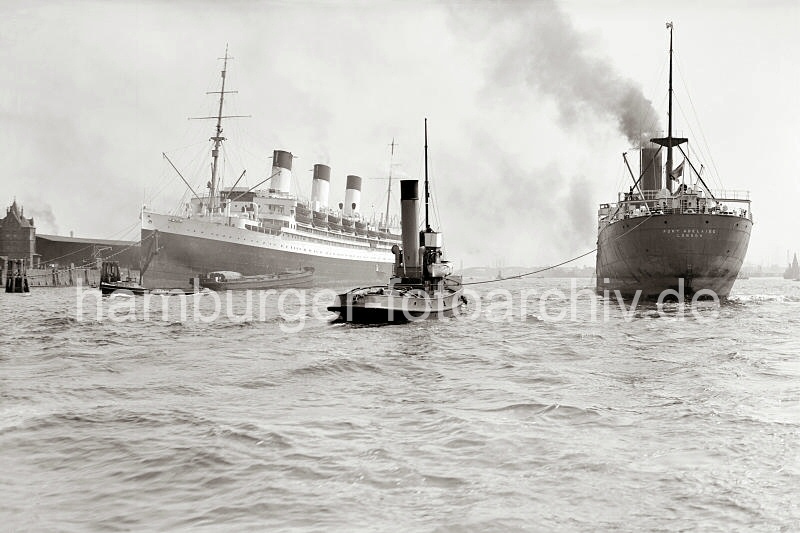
[(533, 54), (537, 44)]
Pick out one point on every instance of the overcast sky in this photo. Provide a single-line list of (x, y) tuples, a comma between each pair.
[(530, 106)]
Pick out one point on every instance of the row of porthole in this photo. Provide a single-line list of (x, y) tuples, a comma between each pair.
[(328, 243), (282, 246), (320, 241)]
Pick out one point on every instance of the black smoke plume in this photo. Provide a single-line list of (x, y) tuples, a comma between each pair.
[(537, 44)]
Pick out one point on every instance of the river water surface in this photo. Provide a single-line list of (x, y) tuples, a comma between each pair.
[(496, 422)]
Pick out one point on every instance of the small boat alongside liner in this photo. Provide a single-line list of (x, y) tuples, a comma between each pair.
[(422, 286), (111, 280), (229, 281)]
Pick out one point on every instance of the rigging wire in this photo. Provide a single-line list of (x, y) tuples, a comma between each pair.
[(716, 175), (195, 161), (130, 229), (301, 190), (383, 199), (434, 205), (166, 181), (76, 267), (124, 231), (702, 154)]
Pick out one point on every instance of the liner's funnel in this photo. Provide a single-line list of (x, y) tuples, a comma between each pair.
[(320, 187), (281, 170), (352, 196)]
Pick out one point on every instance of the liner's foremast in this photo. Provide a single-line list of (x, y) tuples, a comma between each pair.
[(218, 138)]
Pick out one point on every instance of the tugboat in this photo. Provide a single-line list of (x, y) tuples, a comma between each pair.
[(111, 281), (422, 286), (670, 234)]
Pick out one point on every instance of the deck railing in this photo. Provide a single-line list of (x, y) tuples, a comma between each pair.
[(633, 208), (720, 195)]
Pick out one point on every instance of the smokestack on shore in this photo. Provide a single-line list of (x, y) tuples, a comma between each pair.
[(320, 187), (409, 197), (352, 196), (281, 171)]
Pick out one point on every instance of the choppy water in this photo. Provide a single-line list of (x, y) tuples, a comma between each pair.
[(662, 422)]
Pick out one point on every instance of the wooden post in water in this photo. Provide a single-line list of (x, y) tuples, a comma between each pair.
[(16, 276)]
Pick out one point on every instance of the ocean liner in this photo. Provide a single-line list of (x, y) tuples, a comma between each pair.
[(256, 231), (670, 230)]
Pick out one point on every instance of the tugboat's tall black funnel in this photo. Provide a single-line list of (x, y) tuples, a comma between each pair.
[(409, 196)]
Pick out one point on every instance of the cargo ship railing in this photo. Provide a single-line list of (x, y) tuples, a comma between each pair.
[(684, 201), (717, 195)]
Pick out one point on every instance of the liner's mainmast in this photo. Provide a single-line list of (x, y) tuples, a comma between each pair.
[(389, 190), (218, 138)]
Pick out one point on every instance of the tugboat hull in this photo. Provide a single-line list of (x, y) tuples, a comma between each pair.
[(382, 305), (133, 289), (652, 254)]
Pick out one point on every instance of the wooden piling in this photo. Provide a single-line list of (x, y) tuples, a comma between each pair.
[(16, 276)]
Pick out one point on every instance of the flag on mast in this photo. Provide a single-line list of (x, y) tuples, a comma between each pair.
[(677, 172)]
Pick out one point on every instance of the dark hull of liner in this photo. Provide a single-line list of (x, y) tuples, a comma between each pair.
[(653, 254), (182, 258), (377, 307)]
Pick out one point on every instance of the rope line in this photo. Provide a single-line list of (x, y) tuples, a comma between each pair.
[(518, 276), (57, 272), (81, 267), (531, 273)]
